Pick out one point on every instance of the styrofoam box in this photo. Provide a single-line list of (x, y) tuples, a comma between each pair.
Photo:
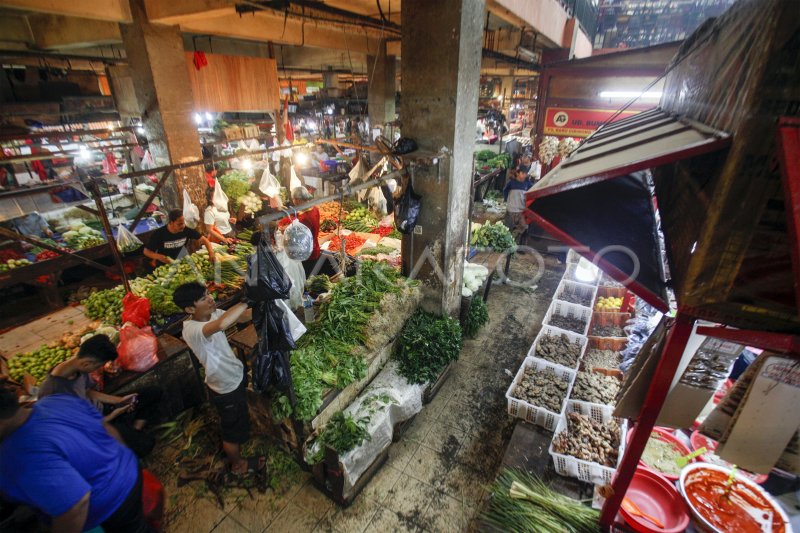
[(549, 330), (532, 413), (587, 471), (566, 309), (581, 288), (569, 275)]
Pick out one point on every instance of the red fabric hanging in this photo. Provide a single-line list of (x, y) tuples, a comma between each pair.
[(200, 60), (38, 167)]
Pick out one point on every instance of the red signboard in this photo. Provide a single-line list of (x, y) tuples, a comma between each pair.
[(575, 122)]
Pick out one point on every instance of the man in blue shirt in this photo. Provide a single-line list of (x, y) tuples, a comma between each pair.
[(60, 458)]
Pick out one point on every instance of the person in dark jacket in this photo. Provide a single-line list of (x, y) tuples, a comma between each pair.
[(514, 195)]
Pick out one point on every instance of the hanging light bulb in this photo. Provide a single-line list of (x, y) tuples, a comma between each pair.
[(140, 130), (209, 116), (84, 155), (247, 164), (586, 271), (198, 119), (301, 158)]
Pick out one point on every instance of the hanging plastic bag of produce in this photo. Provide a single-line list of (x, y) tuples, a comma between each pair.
[(296, 186), (135, 310), (356, 173), (219, 198), (191, 214), (269, 185), (295, 271), (296, 328), (138, 348), (298, 241), (266, 279), (126, 240), (407, 210), (376, 201)]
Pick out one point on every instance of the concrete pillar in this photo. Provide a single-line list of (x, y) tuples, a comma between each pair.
[(381, 70), (330, 80), (441, 50), (161, 82)]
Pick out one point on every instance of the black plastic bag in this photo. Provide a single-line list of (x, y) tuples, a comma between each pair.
[(407, 211), (271, 357), (404, 145), (266, 279)]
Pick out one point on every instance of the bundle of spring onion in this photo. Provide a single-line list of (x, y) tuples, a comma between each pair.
[(523, 503)]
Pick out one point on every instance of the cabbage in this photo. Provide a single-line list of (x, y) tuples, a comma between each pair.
[(465, 292)]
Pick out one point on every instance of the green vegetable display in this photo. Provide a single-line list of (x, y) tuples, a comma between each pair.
[(106, 305), (37, 363), (327, 355), (521, 503), (342, 433), (13, 263), (235, 184), (488, 158), (427, 344), (495, 236), (318, 284), (477, 317), (375, 250), (359, 219)]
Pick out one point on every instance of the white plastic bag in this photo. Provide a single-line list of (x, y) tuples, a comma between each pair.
[(298, 241), (356, 173), (377, 201), (191, 214), (219, 198), (269, 185), (127, 241), (295, 326), (296, 186)]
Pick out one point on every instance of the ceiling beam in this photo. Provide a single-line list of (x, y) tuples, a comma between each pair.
[(110, 10), (15, 29), (57, 32), (546, 17), (176, 12)]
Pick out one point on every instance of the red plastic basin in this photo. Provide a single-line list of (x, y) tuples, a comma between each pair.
[(656, 496)]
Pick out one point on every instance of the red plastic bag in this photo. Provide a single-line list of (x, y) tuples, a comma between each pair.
[(137, 349), (135, 310), (152, 500)]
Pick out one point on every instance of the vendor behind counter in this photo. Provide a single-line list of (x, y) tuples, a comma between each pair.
[(168, 243)]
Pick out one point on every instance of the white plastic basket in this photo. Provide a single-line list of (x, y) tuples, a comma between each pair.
[(569, 275), (573, 257), (587, 471), (549, 330), (532, 413), (566, 309), (597, 411), (582, 289)]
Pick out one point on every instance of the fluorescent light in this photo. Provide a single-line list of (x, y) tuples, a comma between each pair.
[(650, 95), (198, 119), (209, 117), (140, 130)]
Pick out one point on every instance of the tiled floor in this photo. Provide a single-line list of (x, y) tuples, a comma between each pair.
[(436, 477)]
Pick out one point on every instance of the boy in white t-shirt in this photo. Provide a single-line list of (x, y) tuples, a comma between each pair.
[(226, 379)]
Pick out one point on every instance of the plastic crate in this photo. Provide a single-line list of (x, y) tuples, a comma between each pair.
[(608, 319), (573, 257), (580, 288), (569, 275), (598, 411), (549, 330), (615, 292), (616, 344), (566, 309), (587, 471), (531, 413)]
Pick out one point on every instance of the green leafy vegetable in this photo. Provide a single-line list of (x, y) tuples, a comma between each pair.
[(235, 184), (477, 317), (342, 433), (375, 250), (427, 344), (495, 236)]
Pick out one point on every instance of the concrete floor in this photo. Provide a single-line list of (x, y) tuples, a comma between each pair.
[(436, 477)]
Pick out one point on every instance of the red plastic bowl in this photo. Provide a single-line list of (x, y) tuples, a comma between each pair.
[(665, 435), (656, 496), (698, 441)]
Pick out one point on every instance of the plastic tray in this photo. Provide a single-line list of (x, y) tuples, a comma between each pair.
[(566, 309), (580, 288), (608, 319), (615, 292), (587, 471), (549, 330), (598, 411), (531, 413), (569, 275), (616, 344)]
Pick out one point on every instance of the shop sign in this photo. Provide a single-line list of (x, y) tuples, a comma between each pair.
[(576, 122)]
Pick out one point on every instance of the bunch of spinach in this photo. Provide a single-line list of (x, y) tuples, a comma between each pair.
[(427, 344), (477, 317), (342, 433)]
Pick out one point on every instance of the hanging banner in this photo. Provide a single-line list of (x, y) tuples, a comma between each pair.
[(576, 122)]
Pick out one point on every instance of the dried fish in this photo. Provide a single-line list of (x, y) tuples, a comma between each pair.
[(588, 440), (569, 323), (559, 349), (542, 389), (595, 388)]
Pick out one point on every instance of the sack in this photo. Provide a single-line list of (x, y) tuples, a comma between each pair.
[(296, 328), (407, 211), (404, 145), (135, 310), (298, 241), (266, 279), (219, 198), (191, 214), (296, 186), (138, 348), (269, 185), (127, 241), (376, 201)]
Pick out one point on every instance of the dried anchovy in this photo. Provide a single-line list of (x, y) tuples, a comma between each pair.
[(607, 331), (569, 323), (595, 388), (559, 349), (589, 440), (595, 358), (575, 296), (542, 389)]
